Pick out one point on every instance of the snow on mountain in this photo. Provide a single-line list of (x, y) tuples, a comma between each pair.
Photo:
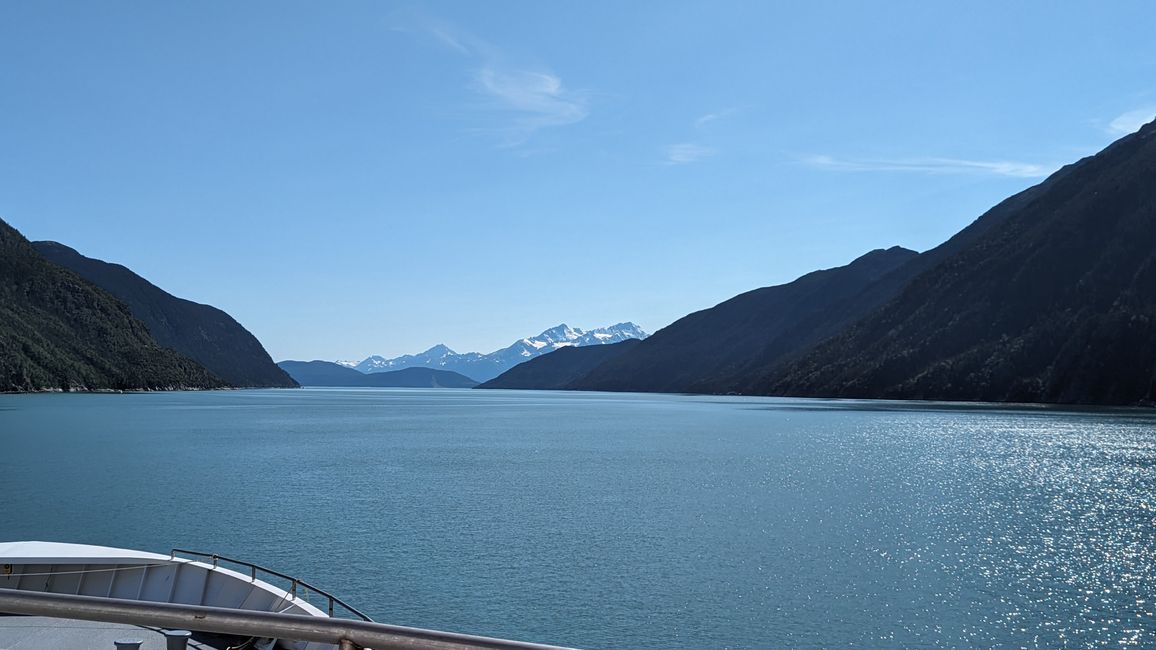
[(483, 367), (613, 334), (435, 357)]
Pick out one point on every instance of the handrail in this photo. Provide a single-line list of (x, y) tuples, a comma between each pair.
[(344, 633), (254, 568)]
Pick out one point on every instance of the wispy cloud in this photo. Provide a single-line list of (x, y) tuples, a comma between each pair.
[(714, 117), (535, 100), (930, 166), (1131, 121), (449, 40), (686, 153), (527, 98)]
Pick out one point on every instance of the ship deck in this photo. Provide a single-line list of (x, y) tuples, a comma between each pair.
[(38, 632)]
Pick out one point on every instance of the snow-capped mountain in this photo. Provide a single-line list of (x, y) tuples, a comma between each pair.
[(483, 367), (439, 356)]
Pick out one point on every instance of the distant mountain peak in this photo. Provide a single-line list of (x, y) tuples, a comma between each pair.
[(561, 332), (483, 367)]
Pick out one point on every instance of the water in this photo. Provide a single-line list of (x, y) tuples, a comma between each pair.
[(634, 521)]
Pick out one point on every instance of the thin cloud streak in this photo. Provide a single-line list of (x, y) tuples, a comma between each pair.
[(1131, 121), (528, 99), (686, 153), (713, 117), (537, 100), (449, 40), (930, 166)]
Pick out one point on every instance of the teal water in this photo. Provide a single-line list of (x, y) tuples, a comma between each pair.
[(642, 521)]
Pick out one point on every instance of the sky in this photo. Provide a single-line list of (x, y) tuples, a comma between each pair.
[(357, 178)]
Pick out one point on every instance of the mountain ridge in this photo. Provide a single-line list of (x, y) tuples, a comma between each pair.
[(483, 367), (705, 350), (201, 332), (61, 332), (557, 370), (327, 373), (1056, 303)]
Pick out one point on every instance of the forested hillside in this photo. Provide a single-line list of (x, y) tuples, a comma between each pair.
[(59, 332)]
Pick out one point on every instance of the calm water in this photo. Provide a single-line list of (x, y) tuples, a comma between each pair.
[(624, 520)]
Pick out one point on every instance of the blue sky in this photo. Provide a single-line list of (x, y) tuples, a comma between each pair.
[(358, 178)]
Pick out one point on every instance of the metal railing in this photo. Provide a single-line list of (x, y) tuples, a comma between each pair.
[(294, 582), (347, 634)]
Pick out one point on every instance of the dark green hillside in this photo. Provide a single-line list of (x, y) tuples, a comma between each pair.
[(558, 369), (58, 331), (1055, 303), (325, 373), (713, 349), (201, 332)]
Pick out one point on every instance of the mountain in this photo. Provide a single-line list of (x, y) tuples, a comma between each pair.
[(1054, 302), (439, 356), (711, 350), (201, 332), (60, 332), (484, 367), (560, 368), (324, 373)]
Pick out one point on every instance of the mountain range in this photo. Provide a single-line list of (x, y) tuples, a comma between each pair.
[(483, 367), (1050, 296), (326, 373)]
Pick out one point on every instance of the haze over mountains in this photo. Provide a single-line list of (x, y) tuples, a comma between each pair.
[(483, 367)]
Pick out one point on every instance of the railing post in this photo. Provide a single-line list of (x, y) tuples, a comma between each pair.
[(346, 644), (177, 639)]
